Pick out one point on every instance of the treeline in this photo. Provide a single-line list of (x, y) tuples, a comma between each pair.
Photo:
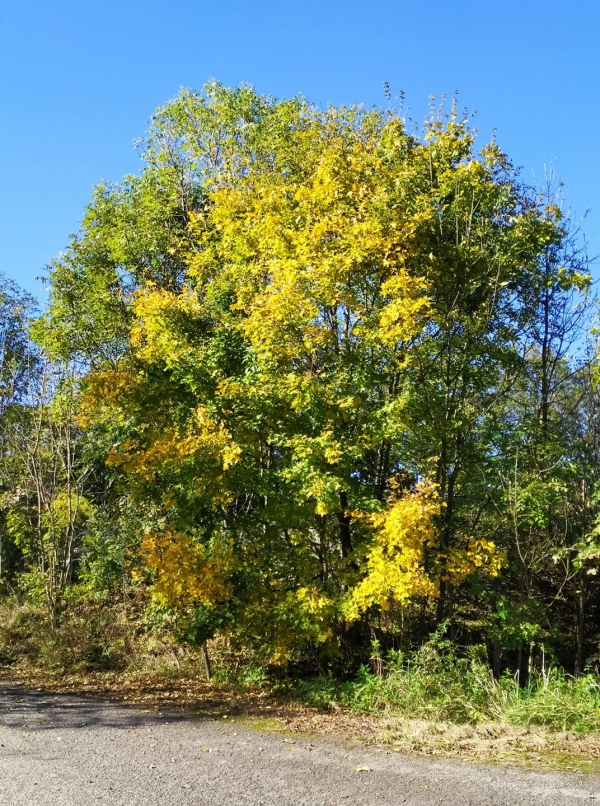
[(319, 382)]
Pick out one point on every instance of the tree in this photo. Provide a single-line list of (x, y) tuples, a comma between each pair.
[(303, 331), (47, 507), (18, 364)]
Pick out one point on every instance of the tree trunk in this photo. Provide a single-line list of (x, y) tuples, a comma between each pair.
[(580, 629), (530, 663), (344, 526), (206, 659), (496, 659)]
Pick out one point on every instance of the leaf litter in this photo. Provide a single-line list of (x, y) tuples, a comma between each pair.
[(495, 742)]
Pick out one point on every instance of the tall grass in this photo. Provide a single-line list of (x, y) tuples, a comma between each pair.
[(439, 684)]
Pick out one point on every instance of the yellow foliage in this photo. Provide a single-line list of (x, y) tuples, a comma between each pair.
[(396, 563), (301, 254), (205, 439), (187, 572), (294, 617), (155, 335), (107, 393), (405, 560), (475, 554)]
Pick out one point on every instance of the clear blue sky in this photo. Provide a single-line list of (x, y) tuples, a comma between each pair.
[(80, 78)]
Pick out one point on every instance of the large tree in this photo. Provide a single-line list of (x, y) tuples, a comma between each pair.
[(302, 328)]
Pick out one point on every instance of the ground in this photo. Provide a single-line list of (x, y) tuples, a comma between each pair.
[(67, 750)]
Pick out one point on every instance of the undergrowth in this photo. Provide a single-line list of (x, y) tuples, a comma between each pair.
[(92, 636), (438, 684)]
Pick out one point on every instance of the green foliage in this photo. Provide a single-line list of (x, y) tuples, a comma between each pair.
[(516, 622), (17, 355)]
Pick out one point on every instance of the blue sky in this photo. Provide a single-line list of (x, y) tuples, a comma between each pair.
[(79, 81)]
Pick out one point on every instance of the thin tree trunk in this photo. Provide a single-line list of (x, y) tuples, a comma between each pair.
[(206, 659), (344, 526), (580, 629), (530, 662), (496, 659)]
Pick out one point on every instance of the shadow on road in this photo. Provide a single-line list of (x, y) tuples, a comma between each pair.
[(37, 710)]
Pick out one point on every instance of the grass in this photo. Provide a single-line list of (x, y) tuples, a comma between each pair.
[(437, 684), (91, 637)]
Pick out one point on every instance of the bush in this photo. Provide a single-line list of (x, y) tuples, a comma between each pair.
[(554, 700)]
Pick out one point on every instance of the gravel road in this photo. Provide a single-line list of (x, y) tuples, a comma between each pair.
[(59, 750)]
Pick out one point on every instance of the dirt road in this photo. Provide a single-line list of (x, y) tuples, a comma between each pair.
[(59, 750)]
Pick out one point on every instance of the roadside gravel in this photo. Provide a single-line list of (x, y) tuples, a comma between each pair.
[(63, 750)]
